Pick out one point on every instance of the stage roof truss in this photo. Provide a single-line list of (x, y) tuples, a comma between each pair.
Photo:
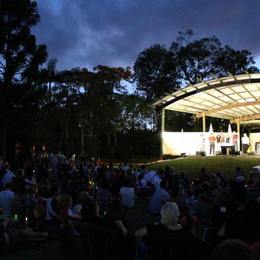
[(228, 98)]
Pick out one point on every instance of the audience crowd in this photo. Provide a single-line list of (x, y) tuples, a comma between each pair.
[(87, 202)]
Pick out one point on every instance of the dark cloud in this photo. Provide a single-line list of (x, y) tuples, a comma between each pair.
[(86, 33)]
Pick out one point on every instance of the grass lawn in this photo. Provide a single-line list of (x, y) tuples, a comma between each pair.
[(191, 165)]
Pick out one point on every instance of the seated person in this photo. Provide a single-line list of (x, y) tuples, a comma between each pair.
[(7, 176), (159, 198), (116, 211), (38, 222), (239, 175), (30, 230), (188, 221), (83, 196), (168, 239), (104, 237), (127, 194), (140, 184), (90, 213), (169, 222), (104, 197), (7, 198), (232, 250)]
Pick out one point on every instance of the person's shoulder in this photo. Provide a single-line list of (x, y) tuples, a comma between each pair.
[(156, 227), (10, 192), (10, 172), (122, 189), (165, 192)]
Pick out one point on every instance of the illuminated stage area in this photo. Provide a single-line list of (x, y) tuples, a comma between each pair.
[(193, 143), (235, 98)]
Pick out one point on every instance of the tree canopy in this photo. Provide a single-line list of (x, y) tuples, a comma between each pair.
[(160, 70)]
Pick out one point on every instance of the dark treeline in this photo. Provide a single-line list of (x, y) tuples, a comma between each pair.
[(91, 112)]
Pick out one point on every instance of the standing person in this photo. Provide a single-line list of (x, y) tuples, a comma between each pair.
[(235, 140), (172, 179), (127, 195), (218, 142), (8, 175), (245, 143), (212, 140), (7, 197), (104, 197), (159, 198)]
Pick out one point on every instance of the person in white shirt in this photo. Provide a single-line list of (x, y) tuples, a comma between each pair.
[(153, 178), (127, 195), (7, 200), (245, 143), (159, 198)]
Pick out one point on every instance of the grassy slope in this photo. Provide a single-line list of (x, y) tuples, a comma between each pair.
[(192, 165)]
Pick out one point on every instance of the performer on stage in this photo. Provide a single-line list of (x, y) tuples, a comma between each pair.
[(245, 143), (212, 140), (235, 140)]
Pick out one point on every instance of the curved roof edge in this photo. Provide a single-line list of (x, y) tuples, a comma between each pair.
[(206, 85)]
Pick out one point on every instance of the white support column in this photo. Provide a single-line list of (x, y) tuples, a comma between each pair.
[(203, 122), (238, 133), (162, 129)]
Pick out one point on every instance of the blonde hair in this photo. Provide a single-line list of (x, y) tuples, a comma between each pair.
[(170, 213)]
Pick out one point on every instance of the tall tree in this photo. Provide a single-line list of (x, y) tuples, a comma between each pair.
[(20, 56), (155, 72), (206, 58)]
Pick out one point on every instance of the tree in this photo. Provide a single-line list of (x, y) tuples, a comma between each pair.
[(134, 113), (195, 60), (84, 105), (234, 62), (20, 56), (155, 72), (207, 58), (100, 107)]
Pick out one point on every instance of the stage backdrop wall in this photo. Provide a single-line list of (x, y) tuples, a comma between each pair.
[(189, 143), (254, 142)]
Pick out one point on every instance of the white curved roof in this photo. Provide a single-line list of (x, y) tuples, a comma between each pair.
[(229, 97)]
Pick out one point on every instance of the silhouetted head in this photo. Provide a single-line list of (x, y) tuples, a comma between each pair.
[(232, 250), (170, 213)]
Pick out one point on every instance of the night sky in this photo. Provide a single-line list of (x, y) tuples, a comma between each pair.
[(86, 33)]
